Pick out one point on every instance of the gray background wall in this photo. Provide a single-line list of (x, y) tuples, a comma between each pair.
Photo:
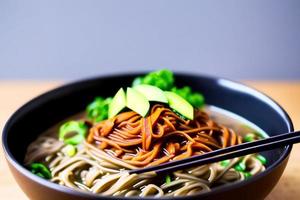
[(254, 39)]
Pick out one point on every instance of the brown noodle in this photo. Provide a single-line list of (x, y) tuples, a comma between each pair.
[(101, 166), (160, 137)]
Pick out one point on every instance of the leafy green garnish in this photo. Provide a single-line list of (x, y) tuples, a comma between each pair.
[(164, 79), (168, 179), (40, 170), (225, 163), (73, 132), (69, 150), (98, 109), (240, 167), (247, 175), (249, 137), (194, 98), (261, 158)]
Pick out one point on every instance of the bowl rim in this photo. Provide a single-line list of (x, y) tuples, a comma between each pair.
[(69, 191)]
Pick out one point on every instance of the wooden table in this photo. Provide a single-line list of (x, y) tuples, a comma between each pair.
[(15, 93)]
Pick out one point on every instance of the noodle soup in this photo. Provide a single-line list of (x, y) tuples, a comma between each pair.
[(153, 122), (90, 169)]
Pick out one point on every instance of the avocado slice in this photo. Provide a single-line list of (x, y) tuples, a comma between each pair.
[(117, 104), (152, 93), (180, 105), (137, 102)]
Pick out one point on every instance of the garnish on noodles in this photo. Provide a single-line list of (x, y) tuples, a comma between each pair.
[(160, 137), (150, 123)]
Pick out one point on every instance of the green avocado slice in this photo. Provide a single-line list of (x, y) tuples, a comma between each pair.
[(137, 102), (117, 104), (180, 105), (152, 93)]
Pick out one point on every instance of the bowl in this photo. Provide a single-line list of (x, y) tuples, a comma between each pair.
[(51, 107)]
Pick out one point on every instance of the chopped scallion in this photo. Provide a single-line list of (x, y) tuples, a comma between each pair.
[(168, 179), (225, 163), (72, 132), (240, 167), (250, 137), (40, 170), (69, 150), (261, 158), (247, 175)]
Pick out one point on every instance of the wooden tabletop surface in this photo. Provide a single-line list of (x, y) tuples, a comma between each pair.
[(15, 93)]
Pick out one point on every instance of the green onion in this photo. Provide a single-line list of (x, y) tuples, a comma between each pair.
[(240, 167), (168, 179), (40, 170), (79, 129), (247, 175), (98, 109), (261, 158), (225, 163), (69, 150), (250, 137)]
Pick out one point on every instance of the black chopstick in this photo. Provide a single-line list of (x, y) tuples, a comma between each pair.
[(224, 154)]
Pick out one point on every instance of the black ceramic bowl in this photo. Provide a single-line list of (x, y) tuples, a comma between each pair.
[(48, 109)]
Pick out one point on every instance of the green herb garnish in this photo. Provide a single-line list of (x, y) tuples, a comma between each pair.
[(164, 79), (247, 175), (249, 137), (73, 132), (240, 167), (261, 158), (40, 170), (168, 179), (98, 109), (69, 150), (225, 163)]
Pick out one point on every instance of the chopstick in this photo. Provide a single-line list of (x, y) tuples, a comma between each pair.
[(224, 154)]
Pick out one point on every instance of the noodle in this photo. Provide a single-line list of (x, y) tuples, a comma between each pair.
[(129, 141), (161, 137)]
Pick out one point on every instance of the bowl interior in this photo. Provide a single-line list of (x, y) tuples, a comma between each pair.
[(50, 108)]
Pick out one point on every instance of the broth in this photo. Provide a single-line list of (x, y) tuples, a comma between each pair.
[(98, 171)]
